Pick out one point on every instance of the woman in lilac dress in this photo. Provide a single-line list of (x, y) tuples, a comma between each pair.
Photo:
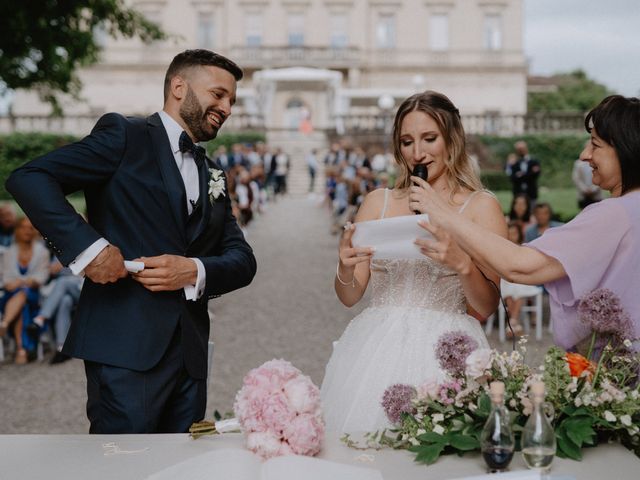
[(599, 248)]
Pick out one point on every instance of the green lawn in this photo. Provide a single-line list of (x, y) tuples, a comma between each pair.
[(563, 201)]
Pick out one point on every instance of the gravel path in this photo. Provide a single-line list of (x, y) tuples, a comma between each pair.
[(289, 311)]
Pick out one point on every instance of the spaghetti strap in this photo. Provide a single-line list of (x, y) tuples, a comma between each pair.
[(384, 206), (466, 202)]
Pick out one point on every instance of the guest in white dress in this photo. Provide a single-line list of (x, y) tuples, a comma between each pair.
[(514, 294), (414, 301)]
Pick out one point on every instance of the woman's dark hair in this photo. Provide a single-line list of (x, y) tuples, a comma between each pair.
[(617, 121), (198, 58), (517, 226), (527, 214)]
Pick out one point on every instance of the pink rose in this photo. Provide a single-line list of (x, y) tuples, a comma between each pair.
[(276, 412), (271, 375), (248, 408), (429, 390), (304, 434), (265, 444), (478, 362), (303, 395)]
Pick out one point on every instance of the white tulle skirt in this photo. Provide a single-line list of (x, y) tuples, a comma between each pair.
[(380, 347)]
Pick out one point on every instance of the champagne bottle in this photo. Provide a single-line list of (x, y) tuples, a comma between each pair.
[(496, 440), (538, 437)]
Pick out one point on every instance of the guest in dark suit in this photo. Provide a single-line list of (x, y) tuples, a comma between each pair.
[(523, 170), (152, 196)]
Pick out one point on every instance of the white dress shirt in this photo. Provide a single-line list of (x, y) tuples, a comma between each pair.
[(189, 173)]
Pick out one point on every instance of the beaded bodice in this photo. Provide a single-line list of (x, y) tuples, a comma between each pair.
[(416, 283)]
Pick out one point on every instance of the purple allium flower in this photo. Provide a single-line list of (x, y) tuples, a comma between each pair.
[(396, 400), (452, 351), (601, 311)]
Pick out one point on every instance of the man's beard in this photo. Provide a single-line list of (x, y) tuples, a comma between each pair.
[(195, 118)]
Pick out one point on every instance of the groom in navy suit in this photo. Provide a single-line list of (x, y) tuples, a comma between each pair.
[(152, 196)]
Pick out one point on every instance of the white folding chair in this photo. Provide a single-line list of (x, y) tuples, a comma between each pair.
[(536, 295)]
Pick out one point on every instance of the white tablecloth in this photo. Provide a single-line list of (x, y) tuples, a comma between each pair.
[(90, 457)]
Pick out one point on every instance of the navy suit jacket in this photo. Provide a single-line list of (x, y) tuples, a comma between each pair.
[(135, 199)]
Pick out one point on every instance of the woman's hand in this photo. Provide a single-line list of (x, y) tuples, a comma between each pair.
[(351, 256), (444, 249), (423, 198), (13, 285)]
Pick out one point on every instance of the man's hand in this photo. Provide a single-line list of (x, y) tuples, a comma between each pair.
[(107, 267), (166, 273)]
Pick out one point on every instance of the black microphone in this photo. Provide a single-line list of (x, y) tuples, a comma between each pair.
[(420, 170)]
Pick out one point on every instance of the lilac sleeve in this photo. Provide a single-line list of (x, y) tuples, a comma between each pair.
[(586, 247)]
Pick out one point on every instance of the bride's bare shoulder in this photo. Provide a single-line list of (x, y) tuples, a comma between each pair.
[(371, 205)]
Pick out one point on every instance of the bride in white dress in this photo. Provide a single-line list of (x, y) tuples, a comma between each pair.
[(413, 302)]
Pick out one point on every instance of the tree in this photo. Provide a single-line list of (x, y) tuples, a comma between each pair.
[(575, 93), (44, 42)]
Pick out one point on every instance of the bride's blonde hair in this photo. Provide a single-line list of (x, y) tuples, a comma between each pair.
[(460, 171)]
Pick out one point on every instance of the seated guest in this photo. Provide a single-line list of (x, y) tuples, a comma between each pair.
[(7, 223), (514, 294), (57, 308), (542, 213), (25, 269), (520, 212)]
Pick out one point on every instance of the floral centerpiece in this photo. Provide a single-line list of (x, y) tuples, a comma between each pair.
[(278, 409), (591, 398)]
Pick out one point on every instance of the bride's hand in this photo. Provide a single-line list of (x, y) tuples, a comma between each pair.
[(350, 256), (423, 198), (443, 249)]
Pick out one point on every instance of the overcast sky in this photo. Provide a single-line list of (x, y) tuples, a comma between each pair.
[(600, 36)]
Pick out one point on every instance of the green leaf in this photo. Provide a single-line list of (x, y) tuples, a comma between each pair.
[(484, 405), (430, 454), (578, 429), (568, 449), (432, 437), (464, 442)]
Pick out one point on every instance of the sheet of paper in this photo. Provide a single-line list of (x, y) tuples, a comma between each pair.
[(225, 463), (296, 467), (392, 237), (133, 267)]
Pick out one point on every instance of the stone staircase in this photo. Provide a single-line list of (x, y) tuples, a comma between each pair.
[(297, 145)]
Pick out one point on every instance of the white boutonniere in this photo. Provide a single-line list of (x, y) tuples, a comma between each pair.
[(216, 184)]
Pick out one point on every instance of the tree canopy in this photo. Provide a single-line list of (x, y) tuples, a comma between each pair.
[(575, 92), (44, 42)]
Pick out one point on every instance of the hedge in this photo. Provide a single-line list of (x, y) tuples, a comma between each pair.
[(18, 148)]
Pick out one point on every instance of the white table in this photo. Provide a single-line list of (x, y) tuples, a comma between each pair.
[(82, 457)]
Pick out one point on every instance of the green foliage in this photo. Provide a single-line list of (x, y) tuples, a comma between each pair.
[(18, 148), (228, 139), (576, 93), (44, 43), (556, 154)]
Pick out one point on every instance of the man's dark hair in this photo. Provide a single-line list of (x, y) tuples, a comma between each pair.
[(198, 58), (617, 122)]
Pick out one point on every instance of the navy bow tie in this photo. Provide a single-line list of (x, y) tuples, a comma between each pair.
[(186, 145)]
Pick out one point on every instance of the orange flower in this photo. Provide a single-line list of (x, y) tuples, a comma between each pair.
[(578, 364)]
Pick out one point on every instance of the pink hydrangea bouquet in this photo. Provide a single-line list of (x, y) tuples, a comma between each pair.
[(278, 409)]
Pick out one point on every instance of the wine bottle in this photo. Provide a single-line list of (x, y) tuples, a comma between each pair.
[(538, 437), (496, 440)]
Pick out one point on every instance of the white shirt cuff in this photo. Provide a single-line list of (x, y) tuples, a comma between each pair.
[(85, 258), (194, 292)]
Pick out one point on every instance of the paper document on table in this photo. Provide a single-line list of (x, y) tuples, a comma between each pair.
[(392, 237), (236, 464), (519, 475)]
